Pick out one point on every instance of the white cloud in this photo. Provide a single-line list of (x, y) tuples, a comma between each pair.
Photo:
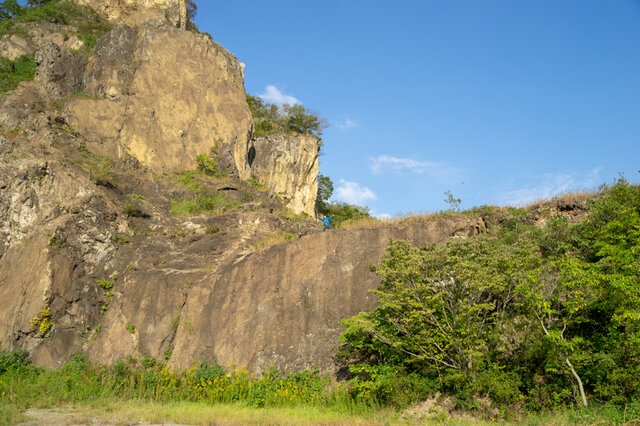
[(353, 193), (386, 163), (273, 95), (347, 124), (549, 185)]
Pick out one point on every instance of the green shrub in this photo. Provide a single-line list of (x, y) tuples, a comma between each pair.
[(41, 323), (57, 241), (132, 209), (203, 202), (107, 285), (270, 118), (121, 239), (14, 360), (208, 164), (256, 183), (212, 229), (343, 212), (101, 170), (13, 72), (89, 25)]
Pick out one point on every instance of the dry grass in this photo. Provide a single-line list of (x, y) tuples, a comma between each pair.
[(288, 214), (568, 197), (133, 411), (273, 239)]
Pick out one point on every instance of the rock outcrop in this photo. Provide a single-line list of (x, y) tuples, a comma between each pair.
[(282, 307), (104, 250), (160, 95), (13, 45), (134, 11), (288, 166), (61, 72)]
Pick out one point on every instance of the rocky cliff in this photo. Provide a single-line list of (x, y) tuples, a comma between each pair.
[(113, 244), (288, 166), (158, 94)]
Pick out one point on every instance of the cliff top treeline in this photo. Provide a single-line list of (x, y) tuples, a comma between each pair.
[(529, 314)]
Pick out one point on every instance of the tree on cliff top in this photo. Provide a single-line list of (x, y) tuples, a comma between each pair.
[(271, 118)]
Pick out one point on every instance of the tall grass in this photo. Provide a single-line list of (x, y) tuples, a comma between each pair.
[(22, 385), (203, 202), (273, 239)]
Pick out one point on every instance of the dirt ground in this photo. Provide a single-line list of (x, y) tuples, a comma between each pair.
[(66, 418)]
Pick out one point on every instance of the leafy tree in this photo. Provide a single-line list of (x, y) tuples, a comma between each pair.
[(545, 314), (270, 118), (342, 212), (13, 72), (38, 3), (9, 9), (454, 203), (441, 305), (325, 190), (300, 120)]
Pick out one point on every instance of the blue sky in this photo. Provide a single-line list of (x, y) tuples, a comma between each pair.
[(498, 101)]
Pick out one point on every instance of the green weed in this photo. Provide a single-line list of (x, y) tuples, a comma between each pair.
[(13, 72)]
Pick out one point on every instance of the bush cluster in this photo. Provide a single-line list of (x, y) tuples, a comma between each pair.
[(13, 72), (524, 316), (16, 19), (270, 118)]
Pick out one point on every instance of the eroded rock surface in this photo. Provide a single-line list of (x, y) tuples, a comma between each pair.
[(164, 96), (96, 257), (288, 166), (282, 307), (136, 11), (13, 46)]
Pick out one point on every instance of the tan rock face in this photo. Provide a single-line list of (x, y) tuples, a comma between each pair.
[(288, 166), (12, 46), (282, 307), (171, 95), (133, 11)]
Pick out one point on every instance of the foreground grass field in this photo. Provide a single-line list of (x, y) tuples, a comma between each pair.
[(191, 413), (116, 411), (143, 390)]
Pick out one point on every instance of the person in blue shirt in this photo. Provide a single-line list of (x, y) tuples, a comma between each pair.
[(326, 221)]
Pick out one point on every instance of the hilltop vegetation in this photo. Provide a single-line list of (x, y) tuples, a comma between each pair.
[(88, 25), (270, 118), (526, 316), (343, 213)]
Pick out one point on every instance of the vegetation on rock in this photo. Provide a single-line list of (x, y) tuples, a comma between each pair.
[(270, 118), (534, 316), (16, 19), (13, 72), (341, 212)]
